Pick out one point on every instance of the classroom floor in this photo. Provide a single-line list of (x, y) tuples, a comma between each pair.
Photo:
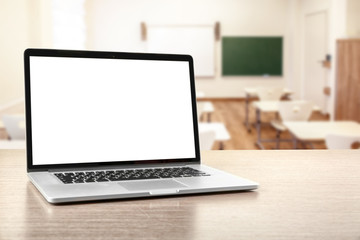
[(232, 114)]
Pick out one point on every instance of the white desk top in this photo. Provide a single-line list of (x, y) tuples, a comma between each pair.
[(317, 130), (200, 94), (21, 124), (273, 106), (266, 106), (253, 91), (206, 106), (221, 133), (12, 144)]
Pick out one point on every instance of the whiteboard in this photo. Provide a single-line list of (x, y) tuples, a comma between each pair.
[(197, 41)]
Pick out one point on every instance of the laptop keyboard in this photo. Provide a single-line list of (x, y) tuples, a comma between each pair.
[(124, 175)]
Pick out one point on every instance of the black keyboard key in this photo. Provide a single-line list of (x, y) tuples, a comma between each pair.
[(165, 176), (67, 180), (132, 174), (102, 180), (90, 180)]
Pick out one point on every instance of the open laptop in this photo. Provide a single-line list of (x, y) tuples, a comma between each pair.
[(111, 125)]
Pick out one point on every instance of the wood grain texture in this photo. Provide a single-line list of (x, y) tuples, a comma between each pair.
[(347, 100), (303, 194)]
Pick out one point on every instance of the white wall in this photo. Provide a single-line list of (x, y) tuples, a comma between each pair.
[(23, 24), (337, 15), (14, 36), (309, 7), (115, 25), (353, 18)]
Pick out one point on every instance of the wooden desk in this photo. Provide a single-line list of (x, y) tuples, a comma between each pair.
[(303, 194), (313, 131)]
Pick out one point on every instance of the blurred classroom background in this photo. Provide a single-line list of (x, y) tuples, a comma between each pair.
[(270, 74)]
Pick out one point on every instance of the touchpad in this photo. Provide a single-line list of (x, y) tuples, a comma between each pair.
[(151, 185)]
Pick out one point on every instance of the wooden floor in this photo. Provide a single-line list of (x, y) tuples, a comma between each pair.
[(232, 114)]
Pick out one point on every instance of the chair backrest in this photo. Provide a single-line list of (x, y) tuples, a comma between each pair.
[(341, 141), (207, 139), (295, 110), (270, 94), (13, 127)]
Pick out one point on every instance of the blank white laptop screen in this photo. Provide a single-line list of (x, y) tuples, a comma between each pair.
[(86, 110)]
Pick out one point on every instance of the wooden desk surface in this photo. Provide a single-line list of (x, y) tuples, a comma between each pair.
[(309, 194)]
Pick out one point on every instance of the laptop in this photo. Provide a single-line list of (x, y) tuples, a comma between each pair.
[(114, 125)]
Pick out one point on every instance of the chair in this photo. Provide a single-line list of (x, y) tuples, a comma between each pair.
[(207, 139), (341, 141), (12, 124), (291, 111), (270, 94)]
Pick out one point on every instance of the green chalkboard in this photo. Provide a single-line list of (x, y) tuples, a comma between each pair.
[(252, 56)]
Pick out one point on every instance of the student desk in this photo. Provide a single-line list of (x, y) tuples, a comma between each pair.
[(21, 124), (267, 107), (313, 131), (303, 194), (252, 93), (221, 133), (207, 106), (12, 144)]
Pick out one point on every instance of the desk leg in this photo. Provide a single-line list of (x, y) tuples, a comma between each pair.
[(295, 142), (209, 117), (258, 129), (247, 102)]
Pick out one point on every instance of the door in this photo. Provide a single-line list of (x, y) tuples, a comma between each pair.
[(315, 52)]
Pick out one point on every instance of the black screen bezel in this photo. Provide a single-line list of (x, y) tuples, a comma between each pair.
[(106, 55)]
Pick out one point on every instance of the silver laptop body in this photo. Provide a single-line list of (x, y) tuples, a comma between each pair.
[(110, 125)]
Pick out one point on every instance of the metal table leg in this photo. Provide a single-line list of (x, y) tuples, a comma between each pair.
[(258, 129), (247, 102), (209, 117), (294, 142)]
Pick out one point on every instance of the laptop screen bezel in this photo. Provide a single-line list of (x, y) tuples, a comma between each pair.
[(106, 55)]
